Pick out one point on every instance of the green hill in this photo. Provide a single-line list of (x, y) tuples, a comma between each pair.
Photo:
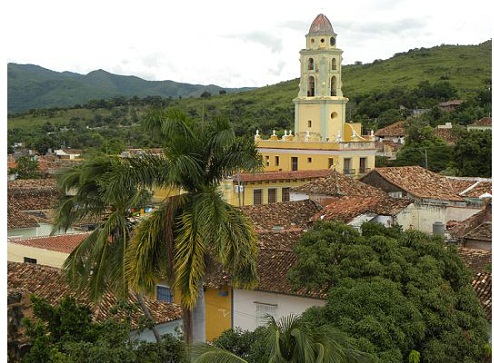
[(34, 87), (466, 68)]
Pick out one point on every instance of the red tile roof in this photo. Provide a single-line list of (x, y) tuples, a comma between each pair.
[(347, 208), (470, 187), (64, 243), (484, 121), (482, 284), (336, 184), (296, 214), (419, 182), (49, 283), (396, 129)]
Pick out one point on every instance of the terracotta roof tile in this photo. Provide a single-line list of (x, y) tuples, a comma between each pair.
[(32, 194), (347, 208), (476, 260), (18, 219), (64, 243), (287, 215), (336, 184), (462, 229), (419, 182), (470, 187), (484, 121), (396, 129), (48, 282), (482, 284)]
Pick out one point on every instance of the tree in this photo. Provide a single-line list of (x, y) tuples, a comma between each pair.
[(175, 242), (290, 339), (97, 264), (422, 147), (67, 333), (172, 243), (472, 153), (27, 167), (394, 292)]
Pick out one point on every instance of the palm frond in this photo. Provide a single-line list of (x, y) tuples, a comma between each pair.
[(204, 353), (151, 251), (189, 257)]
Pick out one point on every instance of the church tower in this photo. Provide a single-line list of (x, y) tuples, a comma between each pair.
[(320, 105)]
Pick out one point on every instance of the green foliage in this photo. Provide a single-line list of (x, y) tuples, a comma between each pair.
[(422, 147), (27, 167), (290, 339), (414, 357), (66, 333), (473, 153), (393, 292)]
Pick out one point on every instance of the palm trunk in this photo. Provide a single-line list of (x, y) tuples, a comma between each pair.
[(199, 317), (148, 315), (187, 324)]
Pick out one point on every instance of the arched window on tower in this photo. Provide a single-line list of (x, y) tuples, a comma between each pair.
[(311, 87), (333, 86), (333, 64), (310, 65)]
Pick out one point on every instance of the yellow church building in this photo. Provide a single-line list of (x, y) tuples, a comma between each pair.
[(322, 139)]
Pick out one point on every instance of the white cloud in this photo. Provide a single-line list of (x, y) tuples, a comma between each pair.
[(228, 43)]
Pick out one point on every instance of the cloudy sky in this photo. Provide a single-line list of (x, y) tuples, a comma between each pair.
[(227, 43)]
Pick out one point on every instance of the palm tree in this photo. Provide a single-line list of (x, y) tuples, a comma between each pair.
[(293, 340), (175, 241), (97, 265)]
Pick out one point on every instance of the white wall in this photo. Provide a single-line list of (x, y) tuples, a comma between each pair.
[(245, 307), (422, 217), (16, 253)]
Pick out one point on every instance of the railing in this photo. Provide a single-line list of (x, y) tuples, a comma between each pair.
[(363, 170), (348, 171)]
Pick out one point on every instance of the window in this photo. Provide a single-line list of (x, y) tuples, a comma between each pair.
[(309, 123), (267, 160), (347, 166), (30, 260), (310, 66), (333, 86), (294, 163), (285, 194), (309, 160), (264, 309), (257, 196), (311, 88), (271, 195), (277, 160), (363, 166), (164, 293), (330, 163), (333, 64)]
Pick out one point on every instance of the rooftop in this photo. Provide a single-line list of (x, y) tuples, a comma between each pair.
[(419, 182), (49, 283)]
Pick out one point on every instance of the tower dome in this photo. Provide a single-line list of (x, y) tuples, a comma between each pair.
[(321, 25)]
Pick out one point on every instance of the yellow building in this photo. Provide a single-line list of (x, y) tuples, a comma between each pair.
[(321, 138)]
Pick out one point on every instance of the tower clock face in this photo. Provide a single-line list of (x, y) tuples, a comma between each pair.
[(332, 40)]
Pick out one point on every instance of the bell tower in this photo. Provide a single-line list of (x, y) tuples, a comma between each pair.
[(320, 105)]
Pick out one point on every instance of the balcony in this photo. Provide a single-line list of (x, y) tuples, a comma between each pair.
[(363, 170)]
